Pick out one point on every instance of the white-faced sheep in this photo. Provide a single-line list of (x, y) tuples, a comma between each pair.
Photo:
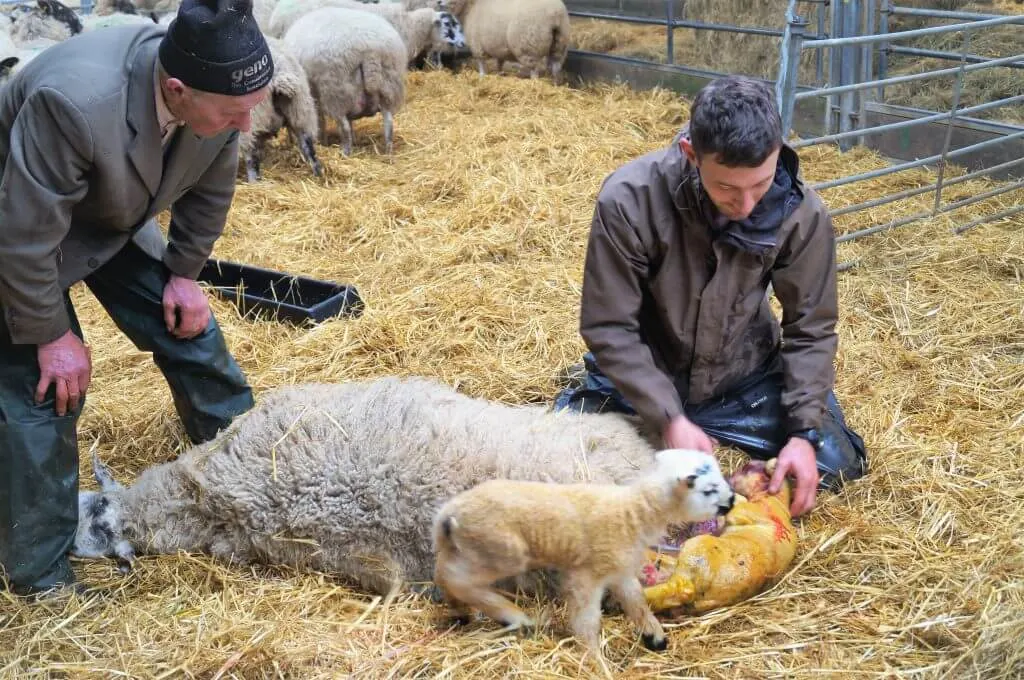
[(290, 105), (105, 7), (347, 478), (422, 30), (534, 33), (356, 65), (594, 534)]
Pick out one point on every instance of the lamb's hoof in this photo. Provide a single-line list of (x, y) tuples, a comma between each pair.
[(654, 643), (428, 590), (460, 620)]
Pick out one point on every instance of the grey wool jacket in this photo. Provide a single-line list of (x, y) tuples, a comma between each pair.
[(82, 172)]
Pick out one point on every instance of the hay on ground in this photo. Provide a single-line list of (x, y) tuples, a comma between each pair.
[(468, 249)]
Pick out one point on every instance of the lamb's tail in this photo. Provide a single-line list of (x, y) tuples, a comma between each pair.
[(383, 81), (445, 531)]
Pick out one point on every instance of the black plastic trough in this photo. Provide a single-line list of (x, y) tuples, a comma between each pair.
[(285, 297)]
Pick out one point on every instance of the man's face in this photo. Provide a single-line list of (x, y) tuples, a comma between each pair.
[(208, 114), (734, 190)]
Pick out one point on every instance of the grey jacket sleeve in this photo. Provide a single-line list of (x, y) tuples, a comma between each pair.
[(198, 217), (804, 280), (45, 175), (616, 264)]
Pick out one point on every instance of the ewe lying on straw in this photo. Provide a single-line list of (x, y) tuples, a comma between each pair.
[(347, 478)]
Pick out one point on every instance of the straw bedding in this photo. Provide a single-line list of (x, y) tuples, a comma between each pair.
[(468, 250)]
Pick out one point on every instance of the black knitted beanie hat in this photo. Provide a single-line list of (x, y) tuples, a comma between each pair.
[(215, 46)]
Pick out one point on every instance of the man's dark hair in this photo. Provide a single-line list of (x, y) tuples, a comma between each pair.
[(736, 119)]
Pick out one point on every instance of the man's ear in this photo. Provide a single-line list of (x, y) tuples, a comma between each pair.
[(687, 148)]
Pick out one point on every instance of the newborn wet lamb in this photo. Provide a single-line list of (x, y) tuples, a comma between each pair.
[(595, 534)]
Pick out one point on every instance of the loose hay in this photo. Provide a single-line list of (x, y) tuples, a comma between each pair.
[(468, 249)]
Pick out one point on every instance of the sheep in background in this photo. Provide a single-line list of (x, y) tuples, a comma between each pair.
[(422, 30), (595, 534), (356, 64), (105, 7), (93, 22), (289, 105), (48, 20), (262, 11), (347, 478), (534, 33)]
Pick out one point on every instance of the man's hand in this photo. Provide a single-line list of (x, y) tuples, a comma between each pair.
[(681, 433), (797, 460), (186, 309), (67, 363)]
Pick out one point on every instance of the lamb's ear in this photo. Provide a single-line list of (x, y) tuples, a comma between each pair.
[(125, 555), (102, 474)]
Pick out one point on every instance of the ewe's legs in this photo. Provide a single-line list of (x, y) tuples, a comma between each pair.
[(346, 135), (480, 66), (389, 132), (630, 595)]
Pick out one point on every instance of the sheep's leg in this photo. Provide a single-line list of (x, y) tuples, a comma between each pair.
[(389, 132), (630, 595), (346, 135), (555, 67), (583, 595), (480, 66), (252, 166), (501, 65)]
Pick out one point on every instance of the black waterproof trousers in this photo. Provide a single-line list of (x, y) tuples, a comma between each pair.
[(39, 450), (748, 416)]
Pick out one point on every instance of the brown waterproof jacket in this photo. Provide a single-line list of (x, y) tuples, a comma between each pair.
[(673, 317)]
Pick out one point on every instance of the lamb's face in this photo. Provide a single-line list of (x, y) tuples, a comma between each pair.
[(100, 532), (99, 529), (698, 484), (447, 31)]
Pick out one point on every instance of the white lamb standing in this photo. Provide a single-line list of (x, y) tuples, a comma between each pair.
[(347, 478), (422, 30), (534, 33), (356, 64), (290, 105)]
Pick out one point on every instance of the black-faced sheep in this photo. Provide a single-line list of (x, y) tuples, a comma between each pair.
[(356, 65), (534, 33), (422, 30), (347, 478), (290, 105)]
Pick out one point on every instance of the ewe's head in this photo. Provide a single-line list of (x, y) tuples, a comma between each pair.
[(695, 483), (447, 31), (99, 521)]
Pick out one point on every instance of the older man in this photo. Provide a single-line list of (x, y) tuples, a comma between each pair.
[(98, 135)]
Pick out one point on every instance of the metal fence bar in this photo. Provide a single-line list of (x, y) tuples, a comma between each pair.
[(681, 23), (989, 218), (866, 65), (848, 70), (916, 33), (917, 191), (819, 55), (949, 56), (883, 48), (670, 47), (618, 17), (963, 203), (892, 224), (957, 90), (924, 75), (944, 14), (888, 127), (881, 172), (789, 66), (834, 75)]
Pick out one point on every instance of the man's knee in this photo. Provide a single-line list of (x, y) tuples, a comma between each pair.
[(841, 459)]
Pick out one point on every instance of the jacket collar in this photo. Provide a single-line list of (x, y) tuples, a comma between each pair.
[(144, 149)]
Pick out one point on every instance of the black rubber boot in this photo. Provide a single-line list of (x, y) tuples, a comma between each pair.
[(38, 475), (207, 385)]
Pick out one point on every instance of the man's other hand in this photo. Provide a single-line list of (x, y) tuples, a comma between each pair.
[(681, 433), (186, 309), (797, 460), (67, 364)]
